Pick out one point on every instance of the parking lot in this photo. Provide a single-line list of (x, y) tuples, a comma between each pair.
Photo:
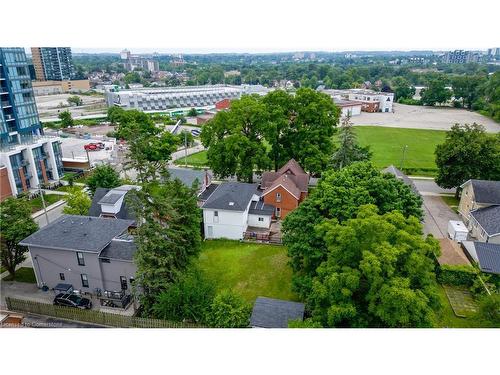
[(420, 117)]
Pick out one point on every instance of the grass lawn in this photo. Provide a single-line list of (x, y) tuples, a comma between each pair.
[(249, 269), (67, 188), (198, 159), (23, 275), (387, 146), (446, 318), (36, 203), (451, 201)]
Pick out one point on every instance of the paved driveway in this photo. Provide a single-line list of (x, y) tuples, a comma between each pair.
[(436, 216), (420, 117), (429, 187)]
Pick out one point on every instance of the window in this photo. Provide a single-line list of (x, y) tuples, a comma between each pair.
[(123, 282), (278, 197), (85, 280), (216, 216), (61, 276), (81, 260), (261, 219), (278, 212)]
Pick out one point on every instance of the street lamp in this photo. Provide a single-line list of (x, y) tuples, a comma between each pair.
[(403, 159)]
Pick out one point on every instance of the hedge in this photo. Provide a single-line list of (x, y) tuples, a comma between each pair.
[(457, 275)]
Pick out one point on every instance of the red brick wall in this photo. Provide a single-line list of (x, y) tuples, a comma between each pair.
[(5, 190), (288, 201), (370, 106)]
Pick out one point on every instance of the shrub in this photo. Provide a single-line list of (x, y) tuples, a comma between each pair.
[(229, 310), (188, 299), (489, 310), (409, 101), (457, 275)]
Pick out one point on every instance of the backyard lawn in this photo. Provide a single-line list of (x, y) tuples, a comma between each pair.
[(250, 269), (23, 275), (36, 203), (446, 318), (387, 146), (198, 159)]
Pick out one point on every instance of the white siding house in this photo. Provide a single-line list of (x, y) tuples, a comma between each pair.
[(232, 208)]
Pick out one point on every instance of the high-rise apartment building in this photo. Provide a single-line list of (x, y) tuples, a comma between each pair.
[(28, 158), (53, 63), (460, 57)]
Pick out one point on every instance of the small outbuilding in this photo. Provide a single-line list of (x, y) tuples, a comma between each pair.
[(457, 230), (275, 313)]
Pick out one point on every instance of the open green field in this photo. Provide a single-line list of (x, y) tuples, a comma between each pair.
[(387, 145), (249, 269), (198, 159)]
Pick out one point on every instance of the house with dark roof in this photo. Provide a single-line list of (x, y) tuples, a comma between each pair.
[(285, 189), (479, 208), (91, 254), (391, 169), (476, 194), (231, 209), (486, 255), (275, 313)]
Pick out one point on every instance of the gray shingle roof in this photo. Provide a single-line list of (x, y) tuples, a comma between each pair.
[(82, 233), (117, 249), (391, 169), (489, 256), (486, 191), (488, 218), (232, 196), (260, 208), (95, 207), (275, 313), (187, 176), (208, 191)]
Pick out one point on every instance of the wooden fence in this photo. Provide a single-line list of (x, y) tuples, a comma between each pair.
[(91, 316)]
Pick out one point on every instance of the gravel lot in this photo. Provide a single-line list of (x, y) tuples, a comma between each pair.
[(419, 117)]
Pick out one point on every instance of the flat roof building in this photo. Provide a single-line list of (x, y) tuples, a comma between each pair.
[(158, 99)]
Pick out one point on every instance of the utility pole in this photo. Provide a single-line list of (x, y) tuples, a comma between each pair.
[(43, 203), (185, 149), (403, 159)]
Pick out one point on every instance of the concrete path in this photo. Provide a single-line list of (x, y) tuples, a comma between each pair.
[(427, 186)]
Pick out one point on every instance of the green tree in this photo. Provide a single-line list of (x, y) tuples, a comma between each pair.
[(467, 88), (311, 130), (489, 310), (379, 272), (75, 100), (348, 150), (435, 92), (189, 298), (338, 195), (132, 77), (66, 119), (168, 238), (185, 137), (78, 202), (17, 224), (234, 139), (467, 153), (103, 176), (192, 112), (402, 88), (228, 310)]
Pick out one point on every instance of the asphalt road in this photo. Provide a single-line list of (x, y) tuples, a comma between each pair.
[(429, 186)]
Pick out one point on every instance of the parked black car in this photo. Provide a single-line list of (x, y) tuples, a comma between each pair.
[(72, 300)]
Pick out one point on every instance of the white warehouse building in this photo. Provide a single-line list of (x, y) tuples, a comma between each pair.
[(371, 101), (158, 99)]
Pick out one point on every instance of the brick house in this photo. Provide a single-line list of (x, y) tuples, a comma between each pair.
[(285, 189)]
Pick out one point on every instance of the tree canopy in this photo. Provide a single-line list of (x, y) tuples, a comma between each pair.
[(348, 150), (17, 224), (436, 92), (468, 152), (338, 195), (103, 176), (379, 272), (78, 202), (258, 133)]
